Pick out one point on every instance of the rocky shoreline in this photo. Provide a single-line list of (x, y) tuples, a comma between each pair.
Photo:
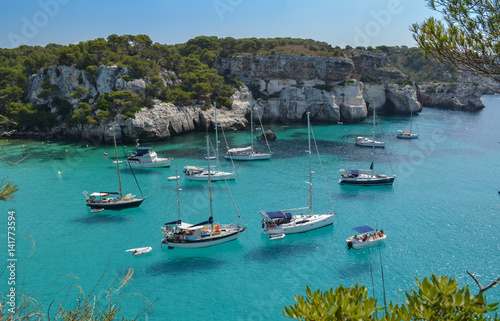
[(281, 88)]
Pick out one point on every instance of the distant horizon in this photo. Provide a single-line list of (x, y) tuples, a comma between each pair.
[(359, 23)]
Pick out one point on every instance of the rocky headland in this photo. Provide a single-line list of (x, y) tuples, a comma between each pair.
[(281, 88)]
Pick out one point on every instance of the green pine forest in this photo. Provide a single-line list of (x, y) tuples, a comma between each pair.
[(194, 80)]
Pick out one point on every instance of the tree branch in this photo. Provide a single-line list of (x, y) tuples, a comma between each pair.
[(481, 288)]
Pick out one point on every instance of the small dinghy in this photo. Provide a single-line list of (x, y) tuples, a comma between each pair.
[(172, 178), (94, 210), (273, 237), (140, 250)]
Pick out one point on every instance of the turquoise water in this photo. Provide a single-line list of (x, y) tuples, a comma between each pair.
[(441, 217)]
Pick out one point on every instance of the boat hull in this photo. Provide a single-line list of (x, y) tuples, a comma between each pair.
[(156, 164), (356, 244), (301, 224), (376, 181), (410, 136), (140, 250), (248, 157), (115, 204), (218, 176), (203, 242), (370, 144)]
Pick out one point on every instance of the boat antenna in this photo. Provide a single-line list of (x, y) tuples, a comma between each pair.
[(210, 186), (117, 163), (310, 163)]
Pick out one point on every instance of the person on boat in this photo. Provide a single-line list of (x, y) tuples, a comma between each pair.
[(381, 232)]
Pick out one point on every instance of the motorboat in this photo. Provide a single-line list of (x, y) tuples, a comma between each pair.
[(146, 157), (367, 237)]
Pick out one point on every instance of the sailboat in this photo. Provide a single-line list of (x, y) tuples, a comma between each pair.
[(195, 173), (103, 200), (183, 235), (366, 141), (365, 177), (248, 153), (279, 223), (408, 134)]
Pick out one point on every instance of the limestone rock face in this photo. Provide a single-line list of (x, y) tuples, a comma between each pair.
[(300, 68), (63, 81), (403, 99), (465, 96), (375, 96), (279, 88), (349, 98), (290, 86)]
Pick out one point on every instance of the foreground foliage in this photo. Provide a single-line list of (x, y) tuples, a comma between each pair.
[(468, 37), (436, 298)]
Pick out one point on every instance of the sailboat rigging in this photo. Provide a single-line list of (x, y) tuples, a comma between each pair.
[(367, 142), (282, 222), (101, 200), (248, 153), (195, 173), (366, 177), (183, 235), (408, 134)]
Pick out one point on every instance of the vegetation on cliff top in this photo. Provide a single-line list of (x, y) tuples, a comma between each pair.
[(191, 76)]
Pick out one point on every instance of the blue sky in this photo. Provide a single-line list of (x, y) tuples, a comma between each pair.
[(339, 23)]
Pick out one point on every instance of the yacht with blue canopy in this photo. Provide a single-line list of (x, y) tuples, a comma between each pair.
[(367, 237)]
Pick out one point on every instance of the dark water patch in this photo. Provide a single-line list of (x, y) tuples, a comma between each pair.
[(354, 271), (278, 251), (97, 218), (185, 265)]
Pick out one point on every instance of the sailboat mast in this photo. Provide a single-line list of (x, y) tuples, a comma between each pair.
[(210, 185), (310, 163), (411, 120), (373, 144), (178, 194), (216, 137), (251, 127), (117, 163)]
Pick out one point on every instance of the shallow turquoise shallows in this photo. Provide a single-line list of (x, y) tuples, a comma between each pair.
[(441, 217)]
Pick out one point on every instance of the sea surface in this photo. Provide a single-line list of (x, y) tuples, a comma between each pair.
[(441, 217)]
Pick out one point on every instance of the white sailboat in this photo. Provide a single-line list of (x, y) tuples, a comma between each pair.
[(196, 173), (102, 200), (408, 134), (279, 223), (179, 234), (248, 153), (369, 142)]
